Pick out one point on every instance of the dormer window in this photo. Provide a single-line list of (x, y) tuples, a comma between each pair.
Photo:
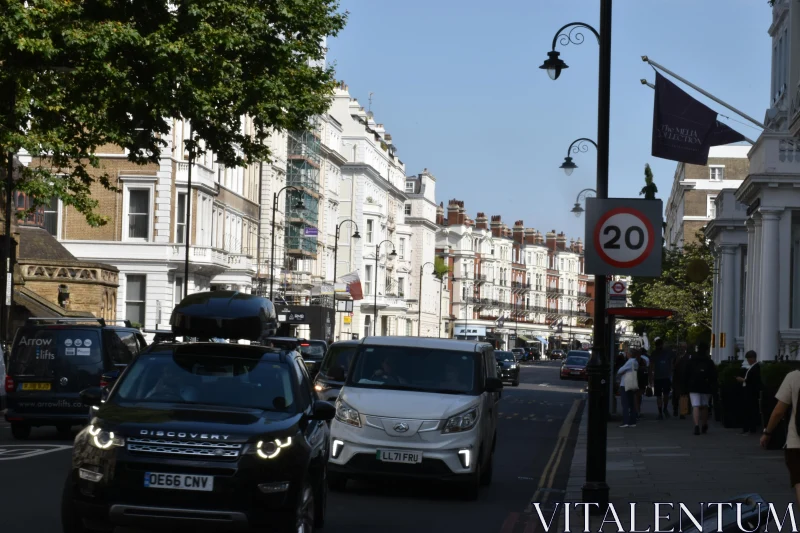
[(716, 173), (410, 186)]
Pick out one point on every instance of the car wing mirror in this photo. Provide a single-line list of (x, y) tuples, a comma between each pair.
[(493, 385), (93, 396), (324, 411)]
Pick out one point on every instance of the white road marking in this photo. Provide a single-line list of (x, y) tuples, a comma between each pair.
[(14, 452)]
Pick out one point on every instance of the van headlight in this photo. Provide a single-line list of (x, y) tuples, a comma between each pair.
[(104, 439), (272, 448), (347, 415), (321, 386), (462, 421)]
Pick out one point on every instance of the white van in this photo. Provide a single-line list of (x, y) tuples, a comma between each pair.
[(415, 407)]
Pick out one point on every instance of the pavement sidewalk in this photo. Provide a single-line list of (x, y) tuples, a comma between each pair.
[(663, 461)]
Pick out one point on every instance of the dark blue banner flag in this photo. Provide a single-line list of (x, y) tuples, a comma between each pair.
[(683, 128)]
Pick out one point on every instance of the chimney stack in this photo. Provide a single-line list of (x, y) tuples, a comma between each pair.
[(561, 241), (551, 240), (440, 214), (519, 231), (530, 236), (455, 213), (481, 222), (497, 226)]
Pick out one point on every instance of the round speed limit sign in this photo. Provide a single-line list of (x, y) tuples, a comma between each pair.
[(624, 237)]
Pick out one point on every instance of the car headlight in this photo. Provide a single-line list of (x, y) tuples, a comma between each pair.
[(272, 448), (462, 421), (347, 415), (104, 439), (513, 367), (321, 386)]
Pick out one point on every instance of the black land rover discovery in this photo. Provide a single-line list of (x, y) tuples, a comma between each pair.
[(205, 435)]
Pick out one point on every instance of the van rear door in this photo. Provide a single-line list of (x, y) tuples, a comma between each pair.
[(50, 366)]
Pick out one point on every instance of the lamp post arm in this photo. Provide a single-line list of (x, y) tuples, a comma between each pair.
[(578, 149), (567, 38), (578, 198)]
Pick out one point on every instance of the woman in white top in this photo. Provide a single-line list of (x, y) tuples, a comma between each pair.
[(628, 387)]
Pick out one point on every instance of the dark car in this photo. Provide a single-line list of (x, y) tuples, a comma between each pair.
[(557, 355), (334, 368), (203, 435), (313, 352), (574, 366), (53, 360), (508, 367)]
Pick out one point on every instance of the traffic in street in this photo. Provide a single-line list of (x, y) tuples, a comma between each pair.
[(537, 428)]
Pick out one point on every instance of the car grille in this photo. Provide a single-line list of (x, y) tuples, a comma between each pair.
[(188, 448)]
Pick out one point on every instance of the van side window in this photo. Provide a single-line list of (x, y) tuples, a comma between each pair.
[(305, 398), (491, 363), (124, 347)]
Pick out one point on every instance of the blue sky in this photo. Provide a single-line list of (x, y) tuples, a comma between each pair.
[(457, 84)]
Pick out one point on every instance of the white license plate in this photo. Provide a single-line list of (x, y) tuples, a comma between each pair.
[(393, 456), (155, 480)]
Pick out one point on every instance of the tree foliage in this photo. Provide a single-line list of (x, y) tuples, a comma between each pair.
[(440, 268), (84, 74)]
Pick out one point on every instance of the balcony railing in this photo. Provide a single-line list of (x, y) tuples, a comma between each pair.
[(480, 278), (582, 294)]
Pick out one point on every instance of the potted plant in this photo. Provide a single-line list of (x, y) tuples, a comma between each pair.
[(772, 375), (730, 406)]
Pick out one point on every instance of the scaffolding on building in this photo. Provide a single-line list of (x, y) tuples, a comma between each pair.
[(302, 172)]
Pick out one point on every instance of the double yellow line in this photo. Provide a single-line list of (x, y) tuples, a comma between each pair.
[(549, 473)]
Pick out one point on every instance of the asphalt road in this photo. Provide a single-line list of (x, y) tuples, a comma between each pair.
[(536, 437)]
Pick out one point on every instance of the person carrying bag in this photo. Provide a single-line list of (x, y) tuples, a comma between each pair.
[(629, 385)]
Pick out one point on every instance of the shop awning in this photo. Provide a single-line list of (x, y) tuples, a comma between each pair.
[(542, 340), (523, 338)]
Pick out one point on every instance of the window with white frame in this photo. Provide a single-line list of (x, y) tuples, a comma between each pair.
[(135, 297), (409, 186), (716, 173), (408, 209), (367, 280), (138, 213), (401, 287), (51, 216), (180, 218), (177, 294), (402, 249), (712, 207), (367, 325), (370, 228)]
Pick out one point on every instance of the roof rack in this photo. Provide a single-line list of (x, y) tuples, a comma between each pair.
[(57, 320), (127, 323)]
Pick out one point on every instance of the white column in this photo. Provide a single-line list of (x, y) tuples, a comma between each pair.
[(748, 298), (729, 303), (758, 244), (769, 284), (716, 310)]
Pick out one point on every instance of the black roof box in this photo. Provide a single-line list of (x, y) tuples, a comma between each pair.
[(224, 314)]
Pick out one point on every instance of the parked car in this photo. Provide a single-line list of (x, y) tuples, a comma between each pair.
[(199, 433), (313, 352), (508, 367), (53, 360), (417, 408), (574, 366), (333, 370)]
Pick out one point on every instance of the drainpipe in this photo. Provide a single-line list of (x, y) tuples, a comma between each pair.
[(260, 214)]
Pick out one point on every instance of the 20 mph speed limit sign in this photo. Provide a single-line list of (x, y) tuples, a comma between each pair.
[(623, 237)]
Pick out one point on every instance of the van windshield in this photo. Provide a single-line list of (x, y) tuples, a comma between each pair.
[(188, 378), (415, 369), (48, 352), (337, 363)]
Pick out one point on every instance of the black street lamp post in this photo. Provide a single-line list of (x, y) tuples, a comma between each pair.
[(356, 235), (299, 205), (375, 287), (577, 209), (441, 291), (595, 490), (187, 226), (577, 146), (419, 302)]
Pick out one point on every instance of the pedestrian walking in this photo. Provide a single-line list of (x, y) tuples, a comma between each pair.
[(643, 375), (787, 397), (751, 382), (701, 382), (629, 385), (678, 386), (661, 365)]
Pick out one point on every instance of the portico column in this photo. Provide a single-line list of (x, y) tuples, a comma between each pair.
[(769, 283), (758, 245), (748, 288), (716, 309), (728, 301)]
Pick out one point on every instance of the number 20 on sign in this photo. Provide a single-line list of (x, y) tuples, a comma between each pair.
[(623, 237)]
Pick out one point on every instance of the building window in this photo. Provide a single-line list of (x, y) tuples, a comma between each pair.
[(51, 216), (367, 280), (408, 209), (409, 331), (712, 207), (180, 219), (178, 293), (716, 173), (402, 251), (135, 294), (367, 324), (370, 227), (401, 287), (139, 214), (410, 186)]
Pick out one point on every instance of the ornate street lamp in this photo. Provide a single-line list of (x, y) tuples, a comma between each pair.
[(299, 205), (578, 210), (553, 64), (577, 146), (356, 235), (375, 284)]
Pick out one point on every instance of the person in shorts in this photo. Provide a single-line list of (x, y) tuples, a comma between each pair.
[(661, 365), (787, 397), (701, 382)]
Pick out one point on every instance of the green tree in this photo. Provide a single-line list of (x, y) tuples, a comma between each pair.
[(440, 268), (78, 75)]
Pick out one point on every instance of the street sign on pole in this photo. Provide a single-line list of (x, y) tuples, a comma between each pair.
[(623, 237)]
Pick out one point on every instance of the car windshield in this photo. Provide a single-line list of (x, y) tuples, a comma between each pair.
[(504, 356), (209, 379), (312, 350), (48, 352), (337, 363), (576, 360), (415, 369)]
